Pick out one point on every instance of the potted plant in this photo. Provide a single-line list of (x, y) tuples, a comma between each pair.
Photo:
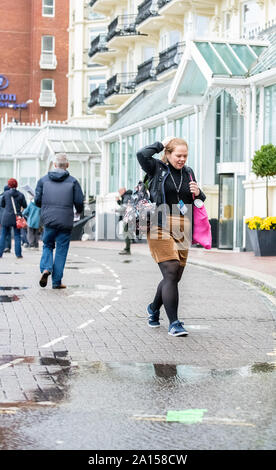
[(262, 231)]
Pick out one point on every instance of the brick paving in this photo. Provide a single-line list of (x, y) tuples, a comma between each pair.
[(101, 317)]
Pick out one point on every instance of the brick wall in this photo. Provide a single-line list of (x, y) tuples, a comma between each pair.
[(21, 28)]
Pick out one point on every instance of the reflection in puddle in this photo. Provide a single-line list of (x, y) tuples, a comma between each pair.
[(8, 298), (12, 288)]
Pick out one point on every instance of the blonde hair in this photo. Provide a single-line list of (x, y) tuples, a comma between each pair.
[(171, 146)]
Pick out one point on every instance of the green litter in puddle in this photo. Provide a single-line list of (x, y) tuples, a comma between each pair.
[(186, 416)]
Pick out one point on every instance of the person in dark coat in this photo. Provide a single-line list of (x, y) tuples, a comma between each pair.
[(9, 216), (8, 236), (122, 200), (57, 193)]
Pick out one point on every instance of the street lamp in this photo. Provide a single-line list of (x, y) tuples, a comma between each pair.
[(20, 107)]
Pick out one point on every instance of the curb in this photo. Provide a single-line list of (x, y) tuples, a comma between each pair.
[(263, 281)]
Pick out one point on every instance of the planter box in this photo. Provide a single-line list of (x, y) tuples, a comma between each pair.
[(263, 242)]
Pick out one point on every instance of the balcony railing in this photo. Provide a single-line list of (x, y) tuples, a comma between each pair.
[(48, 61), (98, 45), (170, 57), (146, 9), (123, 25), (97, 96), (147, 70), (47, 99), (161, 3), (120, 84)]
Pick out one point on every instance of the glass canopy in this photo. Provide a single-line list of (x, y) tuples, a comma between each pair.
[(229, 59)]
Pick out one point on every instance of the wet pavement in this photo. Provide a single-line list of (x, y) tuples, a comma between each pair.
[(80, 369)]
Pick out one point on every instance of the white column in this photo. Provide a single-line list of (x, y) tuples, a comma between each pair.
[(197, 137), (92, 176), (253, 121), (261, 118), (37, 169), (87, 181), (15, 168), (166, 122), (78, 51), (120, 159), (82, 177), (140, 145), (198, 167), (247, 133)]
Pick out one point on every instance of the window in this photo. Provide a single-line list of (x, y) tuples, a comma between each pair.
[(47, 44), (113, 167), (94, 82), (251, 14), (47, 84), (201, 26), (229, 131), (48, 7)]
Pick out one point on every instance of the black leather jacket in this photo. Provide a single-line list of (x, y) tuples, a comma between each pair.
[(157, 172)]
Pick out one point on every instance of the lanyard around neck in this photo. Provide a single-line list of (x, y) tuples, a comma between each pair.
[(180, 184)]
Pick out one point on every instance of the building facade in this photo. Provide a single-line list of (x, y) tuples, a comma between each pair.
[(34, 59), (201, 70)]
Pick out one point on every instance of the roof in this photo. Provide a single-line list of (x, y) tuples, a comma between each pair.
[(149, 103), (269, 56), (52, 139), (13, 137)]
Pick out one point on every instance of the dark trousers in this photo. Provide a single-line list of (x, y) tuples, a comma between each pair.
[(33, 236), (17, 240), (8, 238)]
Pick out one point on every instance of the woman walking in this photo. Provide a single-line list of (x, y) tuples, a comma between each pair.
[(169, 184), (9, 217)]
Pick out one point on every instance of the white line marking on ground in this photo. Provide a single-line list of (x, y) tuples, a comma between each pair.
[(115, 299), (105, 308), (85, 324), (57, 340), (9, 364), (119, 292)]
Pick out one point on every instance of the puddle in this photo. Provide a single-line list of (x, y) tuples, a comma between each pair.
[(8, 298), (125, 404), (10, 272), (12, 288)]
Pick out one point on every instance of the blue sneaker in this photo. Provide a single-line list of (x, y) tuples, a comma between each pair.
[(153, 317), (176, 329)]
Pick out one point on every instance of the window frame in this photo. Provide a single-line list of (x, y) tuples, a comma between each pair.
[(47, 6)]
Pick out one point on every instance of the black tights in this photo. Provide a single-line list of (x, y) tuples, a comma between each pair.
[(167, 290)]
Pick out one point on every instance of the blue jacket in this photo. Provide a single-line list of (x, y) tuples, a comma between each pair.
[(32, 212), (8, 216), (56, 193)]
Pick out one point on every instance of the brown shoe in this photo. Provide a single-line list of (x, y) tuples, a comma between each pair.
[(61, 286), (44, 278)]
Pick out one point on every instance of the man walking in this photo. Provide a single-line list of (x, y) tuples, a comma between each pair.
[(56, 193)]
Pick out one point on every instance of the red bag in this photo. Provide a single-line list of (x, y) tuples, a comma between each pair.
[(20, 221)]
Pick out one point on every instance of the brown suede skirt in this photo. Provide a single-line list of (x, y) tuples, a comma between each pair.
[(172, 241)]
